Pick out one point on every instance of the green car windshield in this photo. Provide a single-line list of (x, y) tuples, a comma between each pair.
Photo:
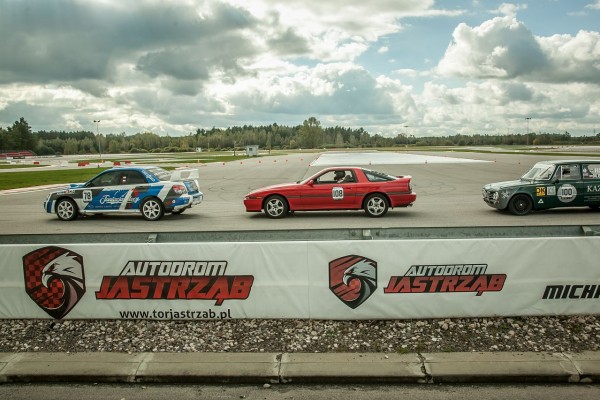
[(539, 172)]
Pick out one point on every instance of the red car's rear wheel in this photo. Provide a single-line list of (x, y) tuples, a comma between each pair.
[(376, 205)]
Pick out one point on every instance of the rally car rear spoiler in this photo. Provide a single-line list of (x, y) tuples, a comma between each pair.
[(179, 175)]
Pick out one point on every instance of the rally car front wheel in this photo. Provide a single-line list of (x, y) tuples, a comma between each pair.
[(276, 207), (520, 205), (152, 209), (66, 209)]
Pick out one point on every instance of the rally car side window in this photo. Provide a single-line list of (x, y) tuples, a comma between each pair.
[(374, 176), (106, 179), (336, 176), (570, 172), (327, 177), (132, 178), (591, 171)]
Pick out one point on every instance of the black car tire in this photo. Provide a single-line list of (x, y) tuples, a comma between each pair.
[(376, 205), (520, 205), (66, 209), (152, 209), (276, 207)]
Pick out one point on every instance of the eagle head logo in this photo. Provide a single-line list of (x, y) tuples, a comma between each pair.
[(353, 279), (54, 279)]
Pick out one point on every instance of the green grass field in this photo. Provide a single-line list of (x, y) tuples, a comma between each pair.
[(14, 180)]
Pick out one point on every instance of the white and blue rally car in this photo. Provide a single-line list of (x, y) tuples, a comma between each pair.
[(151, 191)]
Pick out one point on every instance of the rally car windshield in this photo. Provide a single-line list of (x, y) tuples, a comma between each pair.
[(539, 172)]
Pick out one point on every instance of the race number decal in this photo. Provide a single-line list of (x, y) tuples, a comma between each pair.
[(337, 193), (566, 193), (87, 196)]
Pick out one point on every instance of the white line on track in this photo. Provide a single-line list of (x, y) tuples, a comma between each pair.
[(31, 189), (376, 157)]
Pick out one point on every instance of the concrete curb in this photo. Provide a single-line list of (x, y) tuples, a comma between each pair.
[(339, 368)]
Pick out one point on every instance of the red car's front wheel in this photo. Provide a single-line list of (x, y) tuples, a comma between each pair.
[(276, 207)]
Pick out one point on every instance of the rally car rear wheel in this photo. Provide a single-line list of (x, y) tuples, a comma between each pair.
[(152, 209), (376, 205), (66, 209), (276, 207)]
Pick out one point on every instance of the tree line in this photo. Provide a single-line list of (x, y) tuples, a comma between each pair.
[(309, 135)]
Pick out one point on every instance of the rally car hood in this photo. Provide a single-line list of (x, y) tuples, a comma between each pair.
[(279, 186), (504, 185)]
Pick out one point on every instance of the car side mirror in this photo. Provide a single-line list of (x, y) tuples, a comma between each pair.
[(310, 183), (555, 180)]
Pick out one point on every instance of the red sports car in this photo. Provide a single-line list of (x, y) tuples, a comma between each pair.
[(336, 188)]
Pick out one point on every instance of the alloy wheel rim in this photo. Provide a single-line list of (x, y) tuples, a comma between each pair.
[(274, 208), (65, 209), (151, 209), (376, 206)]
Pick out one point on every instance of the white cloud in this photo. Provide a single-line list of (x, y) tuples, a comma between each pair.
[(509, 9), (327, 89), (499, 48), (594, 6), (172, 67), (502, 106), (572, 59), (504, 48)]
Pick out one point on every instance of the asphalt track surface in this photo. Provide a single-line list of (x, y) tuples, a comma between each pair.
[(448, 195)]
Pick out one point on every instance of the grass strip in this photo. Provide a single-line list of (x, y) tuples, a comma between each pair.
[(15, 180)]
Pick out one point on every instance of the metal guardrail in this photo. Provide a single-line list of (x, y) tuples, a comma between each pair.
[(311, 235)]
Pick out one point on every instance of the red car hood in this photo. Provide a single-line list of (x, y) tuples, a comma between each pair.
[(280, 186)]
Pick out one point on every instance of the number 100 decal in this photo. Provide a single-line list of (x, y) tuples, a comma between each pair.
[(566, 193)]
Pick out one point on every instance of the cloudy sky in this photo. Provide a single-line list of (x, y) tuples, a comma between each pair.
[(421, 67)]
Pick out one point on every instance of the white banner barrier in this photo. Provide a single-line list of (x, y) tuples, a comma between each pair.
[(387, 279)]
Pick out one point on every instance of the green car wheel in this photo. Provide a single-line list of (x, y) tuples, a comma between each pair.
[(520, 205)]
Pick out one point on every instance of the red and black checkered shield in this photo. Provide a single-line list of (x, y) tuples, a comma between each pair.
[(353, 279), (54, 279)]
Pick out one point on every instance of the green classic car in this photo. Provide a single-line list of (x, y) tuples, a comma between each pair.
[(549, 184)]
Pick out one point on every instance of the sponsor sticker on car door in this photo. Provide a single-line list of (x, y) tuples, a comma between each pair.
[(591, 184)]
